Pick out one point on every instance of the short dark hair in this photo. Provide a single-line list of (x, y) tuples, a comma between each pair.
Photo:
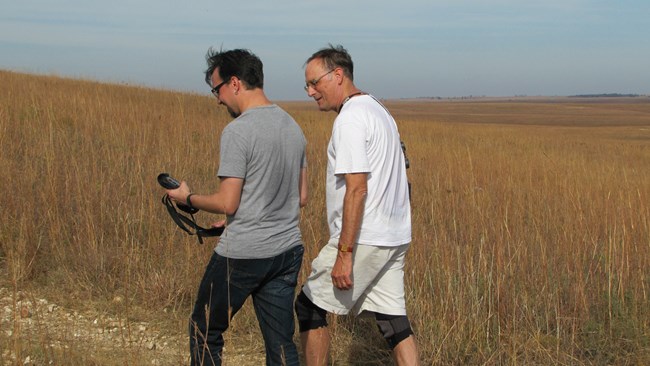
[(333, 57), (240, 63)]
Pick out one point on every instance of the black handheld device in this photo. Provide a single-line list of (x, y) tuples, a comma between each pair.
[(168, 182)]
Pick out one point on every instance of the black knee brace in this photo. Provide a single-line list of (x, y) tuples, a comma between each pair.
[(394, 328), (309, 315)]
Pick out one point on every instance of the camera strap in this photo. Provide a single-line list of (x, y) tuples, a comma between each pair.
[(187, 224), (407, 163)]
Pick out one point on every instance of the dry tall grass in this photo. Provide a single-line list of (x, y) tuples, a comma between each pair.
[(531, 221)]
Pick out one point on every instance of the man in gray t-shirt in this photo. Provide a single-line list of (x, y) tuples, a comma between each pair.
[(263, 185)]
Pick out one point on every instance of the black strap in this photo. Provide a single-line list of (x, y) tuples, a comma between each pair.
[(188, 224), (348, 98), (406, 159)]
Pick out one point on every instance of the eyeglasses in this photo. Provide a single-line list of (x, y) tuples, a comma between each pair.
[(312, 83), (215, 90)]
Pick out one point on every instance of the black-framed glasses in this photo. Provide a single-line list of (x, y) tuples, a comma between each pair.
[(215, 90), (312, 83)]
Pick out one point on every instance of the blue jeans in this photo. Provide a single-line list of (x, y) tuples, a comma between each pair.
[(226, 285)]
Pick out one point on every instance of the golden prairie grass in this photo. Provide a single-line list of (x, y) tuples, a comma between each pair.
[(531, 232)]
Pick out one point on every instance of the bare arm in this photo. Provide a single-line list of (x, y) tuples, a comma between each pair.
[(304, 195), (356, 189), (224, 201)]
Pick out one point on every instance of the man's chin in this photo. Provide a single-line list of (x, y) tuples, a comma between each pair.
[(233, 114), (321, 105)]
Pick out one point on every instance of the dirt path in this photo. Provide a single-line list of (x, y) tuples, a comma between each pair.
[(36, 331)]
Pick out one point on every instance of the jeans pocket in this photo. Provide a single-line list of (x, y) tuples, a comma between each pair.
[(294, 263)]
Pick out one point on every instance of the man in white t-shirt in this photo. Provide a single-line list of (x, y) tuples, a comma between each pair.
[(361, 269)]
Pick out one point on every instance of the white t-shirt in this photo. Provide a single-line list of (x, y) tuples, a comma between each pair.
[(365, 140)]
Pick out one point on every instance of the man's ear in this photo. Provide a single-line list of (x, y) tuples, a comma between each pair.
[(237, 84), (338, 72)]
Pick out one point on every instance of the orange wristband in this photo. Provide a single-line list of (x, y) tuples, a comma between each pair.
[(345, 248)]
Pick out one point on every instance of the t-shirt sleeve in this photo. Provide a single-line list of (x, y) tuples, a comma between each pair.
[(233, 155), (350, 144)]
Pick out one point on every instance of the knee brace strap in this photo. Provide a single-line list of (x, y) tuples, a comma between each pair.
[(394, 328), (309, 315)]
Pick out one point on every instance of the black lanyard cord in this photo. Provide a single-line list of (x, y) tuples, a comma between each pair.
[(188, 223)]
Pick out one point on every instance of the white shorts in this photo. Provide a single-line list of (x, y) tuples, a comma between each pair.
[(377, 280)]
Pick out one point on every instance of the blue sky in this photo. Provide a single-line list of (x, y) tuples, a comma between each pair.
[(401, 49)]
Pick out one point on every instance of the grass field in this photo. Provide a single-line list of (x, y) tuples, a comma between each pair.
[(531, 221)]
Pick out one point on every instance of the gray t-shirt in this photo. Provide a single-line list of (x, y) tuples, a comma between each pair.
[(266, 148)]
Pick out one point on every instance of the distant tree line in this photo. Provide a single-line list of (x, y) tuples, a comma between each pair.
[(604, 95)]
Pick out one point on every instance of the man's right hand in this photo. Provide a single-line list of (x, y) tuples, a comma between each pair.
[(342, 271), (179, 194)]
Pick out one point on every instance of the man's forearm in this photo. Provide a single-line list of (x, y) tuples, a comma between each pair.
[(224, 201), (212, 203), (353, 207)]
